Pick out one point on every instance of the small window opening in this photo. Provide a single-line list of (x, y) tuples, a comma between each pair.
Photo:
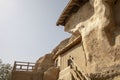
[(70, 62), (56, 63), (115, 2)]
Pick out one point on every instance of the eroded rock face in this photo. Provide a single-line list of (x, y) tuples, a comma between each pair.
[(43, 64), (98, 22), (51, 74)]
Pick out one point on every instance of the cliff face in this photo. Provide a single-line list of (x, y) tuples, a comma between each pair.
[(45, 69), (98, 22)]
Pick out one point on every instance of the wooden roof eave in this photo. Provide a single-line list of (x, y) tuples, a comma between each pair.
[(67, 47), (68, 11), (65, 12)]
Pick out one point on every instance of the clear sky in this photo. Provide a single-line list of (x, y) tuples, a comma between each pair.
[(28, 28)]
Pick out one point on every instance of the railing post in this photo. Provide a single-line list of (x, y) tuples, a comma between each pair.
[(14, 68), (21, 67), (28, 66)]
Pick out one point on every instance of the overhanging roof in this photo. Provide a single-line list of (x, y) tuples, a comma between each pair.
[(71, 8), (68, 47)]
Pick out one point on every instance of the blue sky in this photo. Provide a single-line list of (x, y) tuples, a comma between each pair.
[(28, 28)]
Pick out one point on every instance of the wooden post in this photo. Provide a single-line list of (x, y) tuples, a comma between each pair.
[(14, 68), (28, 66)]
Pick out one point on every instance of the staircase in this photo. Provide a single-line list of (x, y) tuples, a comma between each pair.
[(77, 74)]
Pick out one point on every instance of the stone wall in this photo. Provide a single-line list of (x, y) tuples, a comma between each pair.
[(21, 75), (77, 55)]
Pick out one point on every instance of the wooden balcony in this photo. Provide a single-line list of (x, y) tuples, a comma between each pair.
[(23, 66)]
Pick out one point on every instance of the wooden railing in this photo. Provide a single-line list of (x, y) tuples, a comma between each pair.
[(23, 66)]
